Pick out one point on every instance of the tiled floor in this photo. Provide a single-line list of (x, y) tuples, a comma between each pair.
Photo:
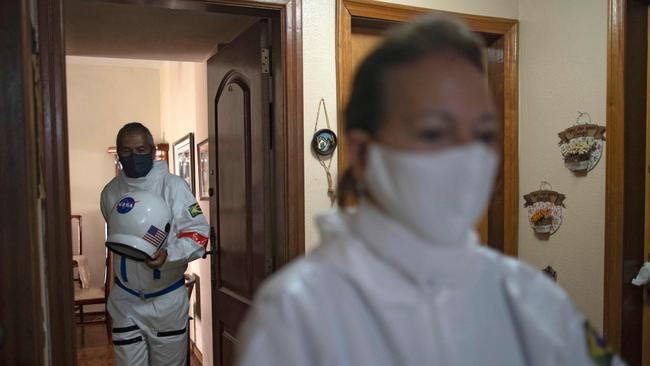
[(94, 349)]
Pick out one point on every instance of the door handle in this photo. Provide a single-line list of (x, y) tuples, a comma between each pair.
[(643, 277), (213, 242)]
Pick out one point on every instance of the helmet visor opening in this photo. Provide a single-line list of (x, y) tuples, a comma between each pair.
[(127, 251)]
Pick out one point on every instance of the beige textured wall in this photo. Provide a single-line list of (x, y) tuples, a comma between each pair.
[(563, 47), (319, 68), (183, 101), (102, 96)]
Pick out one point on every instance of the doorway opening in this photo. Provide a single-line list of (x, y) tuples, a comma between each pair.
[(360, 26), (125, 61)]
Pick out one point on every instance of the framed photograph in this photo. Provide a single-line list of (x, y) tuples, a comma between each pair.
[(184, 159), (203, 154)]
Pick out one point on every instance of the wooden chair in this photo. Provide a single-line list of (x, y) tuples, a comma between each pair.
[(77, 249), (190, 281), (92, 295)]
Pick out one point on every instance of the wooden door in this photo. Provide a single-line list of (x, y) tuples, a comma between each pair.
[(364, 39), (627, 230), (645, 356), (22, 339), (240, 161)]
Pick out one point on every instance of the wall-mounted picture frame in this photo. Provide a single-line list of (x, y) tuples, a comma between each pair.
[(184, 159), (203, 154)]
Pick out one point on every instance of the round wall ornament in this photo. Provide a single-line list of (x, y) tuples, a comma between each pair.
[(323, 145), (324, 142)]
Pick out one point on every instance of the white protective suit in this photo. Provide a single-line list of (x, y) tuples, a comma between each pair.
[(375, 294), (149, 308)]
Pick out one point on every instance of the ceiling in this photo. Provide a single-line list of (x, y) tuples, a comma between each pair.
[(104, 29)]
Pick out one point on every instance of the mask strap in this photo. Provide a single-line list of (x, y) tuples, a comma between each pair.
[(330, 184)]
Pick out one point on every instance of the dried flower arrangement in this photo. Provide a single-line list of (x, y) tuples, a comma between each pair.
[(542, 220), (582, 144), (544, 210), (578, 149), (542, 217)]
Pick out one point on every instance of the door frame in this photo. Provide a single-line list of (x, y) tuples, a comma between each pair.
[(503, 30), (627, 68), (54, 144), (21, 283)]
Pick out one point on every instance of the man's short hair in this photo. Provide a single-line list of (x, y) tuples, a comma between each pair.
[(134, 127)]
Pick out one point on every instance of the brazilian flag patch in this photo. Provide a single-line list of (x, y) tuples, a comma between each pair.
[(598, 350), (195, 210)]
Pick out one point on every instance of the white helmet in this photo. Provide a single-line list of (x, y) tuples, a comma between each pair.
[(138, 225)]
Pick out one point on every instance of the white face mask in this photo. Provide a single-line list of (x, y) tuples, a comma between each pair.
[(438, 195)]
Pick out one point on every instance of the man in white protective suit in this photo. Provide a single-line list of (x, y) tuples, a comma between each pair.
[(148, 303), (400, 279)]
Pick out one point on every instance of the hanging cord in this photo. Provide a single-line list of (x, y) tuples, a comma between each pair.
[(545, 186), (330, 184), (580, 115)]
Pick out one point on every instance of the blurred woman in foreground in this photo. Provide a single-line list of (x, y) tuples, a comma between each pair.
[(402, 279)]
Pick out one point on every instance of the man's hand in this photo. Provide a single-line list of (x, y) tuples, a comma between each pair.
[(157, 259)]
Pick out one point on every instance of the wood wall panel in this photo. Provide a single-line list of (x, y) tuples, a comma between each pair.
[(625, 177), (57, 187), (22, 339)]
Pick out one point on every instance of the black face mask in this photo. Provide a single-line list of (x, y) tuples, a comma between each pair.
[(136, 166)]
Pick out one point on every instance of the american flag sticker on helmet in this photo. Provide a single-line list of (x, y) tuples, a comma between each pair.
[(155, 236)]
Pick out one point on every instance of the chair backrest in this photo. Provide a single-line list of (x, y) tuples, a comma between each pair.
[(75, 226)]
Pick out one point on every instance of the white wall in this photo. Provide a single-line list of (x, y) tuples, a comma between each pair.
[(184, 109), (563, 47), (319, 75), (102, 97)]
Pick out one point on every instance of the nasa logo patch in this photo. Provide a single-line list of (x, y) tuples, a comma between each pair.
[(125, 205)]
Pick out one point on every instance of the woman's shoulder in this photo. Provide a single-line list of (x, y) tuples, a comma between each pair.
[(318, 270)]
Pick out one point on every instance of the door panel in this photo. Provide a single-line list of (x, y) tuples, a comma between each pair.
[(233, 104), (239, 128), (363, 41)]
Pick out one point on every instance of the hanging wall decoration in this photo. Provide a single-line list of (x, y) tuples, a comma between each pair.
[(323, 145), (582, 144), (551, 272), (545, 209)]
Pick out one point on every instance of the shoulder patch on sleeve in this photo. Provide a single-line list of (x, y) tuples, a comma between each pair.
[(598, 350), (195, 209)]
